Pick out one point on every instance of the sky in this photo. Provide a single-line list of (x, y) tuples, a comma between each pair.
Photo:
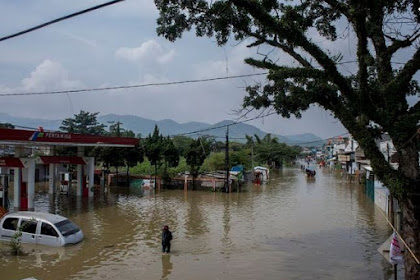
[(118, 46)]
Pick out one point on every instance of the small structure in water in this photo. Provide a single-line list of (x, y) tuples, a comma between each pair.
[(261, 174), (310, 169), (238, 171)]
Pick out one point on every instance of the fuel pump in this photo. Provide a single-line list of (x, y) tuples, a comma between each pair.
[(65, 181), (4, 191)]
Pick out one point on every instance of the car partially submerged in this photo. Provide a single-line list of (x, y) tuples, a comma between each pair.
[(40, 228)]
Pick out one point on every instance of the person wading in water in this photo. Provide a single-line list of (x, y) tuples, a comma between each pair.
[(166, 240)]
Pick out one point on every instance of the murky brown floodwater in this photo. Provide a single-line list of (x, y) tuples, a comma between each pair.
[(292, 228)]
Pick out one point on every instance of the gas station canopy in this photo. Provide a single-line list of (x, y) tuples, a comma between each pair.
[(10, 162), (17, 137), (62, 160)]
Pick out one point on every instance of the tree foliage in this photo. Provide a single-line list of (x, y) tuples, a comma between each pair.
[(182, 143), (83, 123), (369, 102), (158, 149), (196, 153), (7, 125), (271, 152), (153, 146)]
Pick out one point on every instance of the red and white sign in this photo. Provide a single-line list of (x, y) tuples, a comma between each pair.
[(19, 136), (395, 250)]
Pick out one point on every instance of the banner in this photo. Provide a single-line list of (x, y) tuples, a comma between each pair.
[(395, 250)]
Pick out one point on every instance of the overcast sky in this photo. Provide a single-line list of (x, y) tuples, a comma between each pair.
[(118, 45)]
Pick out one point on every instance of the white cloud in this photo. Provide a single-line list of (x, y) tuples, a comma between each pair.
[(168, 57), (49, 75), (148, 52)]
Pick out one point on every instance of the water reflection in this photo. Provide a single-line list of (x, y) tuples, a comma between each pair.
[(166, 266), (290, 228)]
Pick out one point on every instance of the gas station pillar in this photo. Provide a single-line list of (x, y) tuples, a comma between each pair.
[(17, 181), (91, 174), (79, 189), (16, 186), (31, 184), (51, 179)]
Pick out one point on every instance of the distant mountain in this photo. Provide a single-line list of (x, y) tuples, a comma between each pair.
[(305, 139), (145, 126), (29, 122)]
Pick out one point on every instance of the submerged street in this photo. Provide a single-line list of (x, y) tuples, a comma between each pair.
[(294, 227)]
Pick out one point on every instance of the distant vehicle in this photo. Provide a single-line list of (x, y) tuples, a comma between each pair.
[(310, 169), (40, 228)]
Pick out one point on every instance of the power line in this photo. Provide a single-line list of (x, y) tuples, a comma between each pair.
[(59, 19), (146, 85), (289, 143), (133, 86)]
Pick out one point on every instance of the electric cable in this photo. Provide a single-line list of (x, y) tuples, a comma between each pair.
[(133, 86), (59, 19)]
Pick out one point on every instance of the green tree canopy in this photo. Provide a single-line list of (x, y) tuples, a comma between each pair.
[(182, 143), (270, 152), (195, 155), (83, 123), (153, 146), (371, 101), (170, 153), (7, 125)]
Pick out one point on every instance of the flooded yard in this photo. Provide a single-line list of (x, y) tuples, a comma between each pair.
[(294, 227)]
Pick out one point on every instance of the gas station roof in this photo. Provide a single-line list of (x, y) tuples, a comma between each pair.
[(62, 160), (18, 137), (10, 162)]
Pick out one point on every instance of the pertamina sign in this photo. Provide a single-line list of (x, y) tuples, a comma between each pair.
[(52, 135)]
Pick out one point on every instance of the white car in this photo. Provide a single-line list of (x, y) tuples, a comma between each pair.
[(40, 228)]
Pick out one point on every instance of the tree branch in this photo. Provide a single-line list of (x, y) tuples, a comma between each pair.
[(375, 32), (401, 82), (287, 49), (399, 44), (296, 37), (340, 7)]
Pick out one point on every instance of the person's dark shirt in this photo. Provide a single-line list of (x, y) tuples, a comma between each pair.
[(166, 237)]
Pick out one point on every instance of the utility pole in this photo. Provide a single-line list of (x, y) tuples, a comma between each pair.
[(228, 187), (391, 198), (252, 155), (352, 156)]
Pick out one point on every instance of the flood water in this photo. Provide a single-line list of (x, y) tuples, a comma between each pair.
[(293, 227)]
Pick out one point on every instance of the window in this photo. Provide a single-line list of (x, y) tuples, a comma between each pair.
[(66, 227), (10, 223), (28, 226), (47, 229)]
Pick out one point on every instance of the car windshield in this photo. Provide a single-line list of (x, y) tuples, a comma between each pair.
[(66, 227)]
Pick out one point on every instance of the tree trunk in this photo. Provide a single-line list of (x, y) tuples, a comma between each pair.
[(408, 164), (409, 161), (116, 169), (155, 175), (128, 176), (411, 235)]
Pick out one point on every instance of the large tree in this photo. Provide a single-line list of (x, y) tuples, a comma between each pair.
[(117, 157), (369, 102), (83, 123), (195, 155), (270, 151)]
